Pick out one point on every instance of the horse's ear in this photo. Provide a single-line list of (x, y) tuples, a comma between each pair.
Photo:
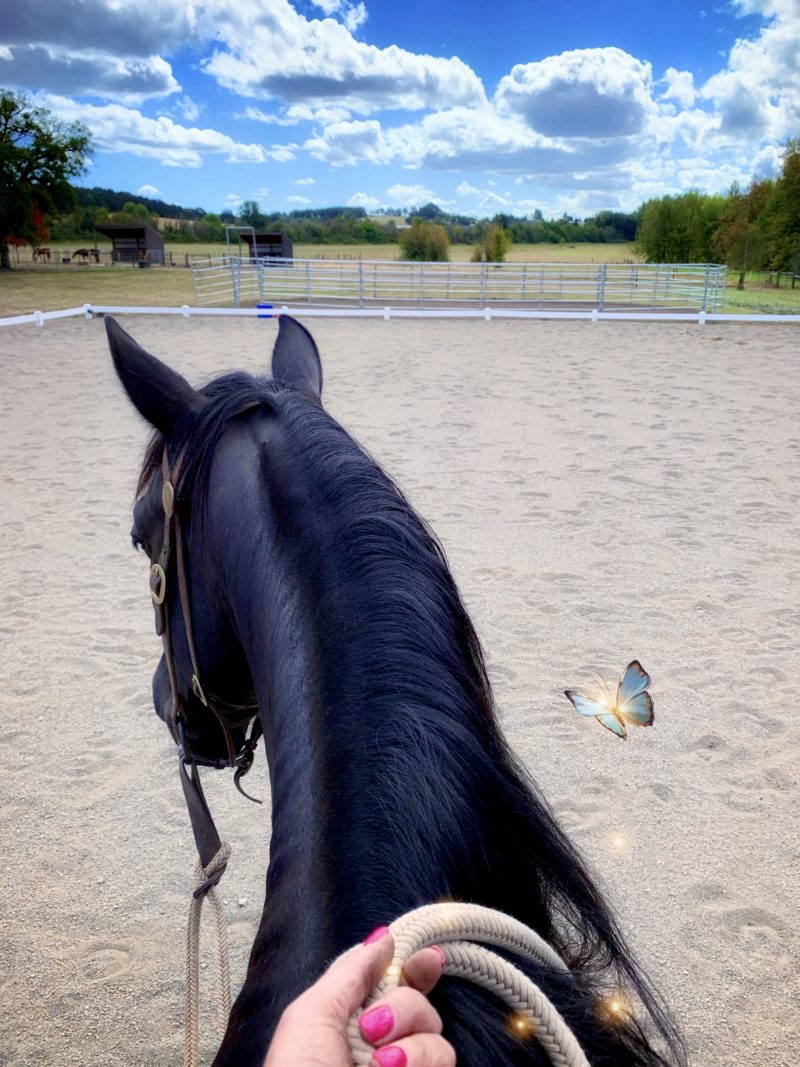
[(295, 359), (159, 393)]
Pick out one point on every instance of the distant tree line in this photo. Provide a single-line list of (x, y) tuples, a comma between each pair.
[(757, 228), (330, 225)]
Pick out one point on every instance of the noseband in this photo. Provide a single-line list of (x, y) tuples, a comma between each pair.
[(227, 714)]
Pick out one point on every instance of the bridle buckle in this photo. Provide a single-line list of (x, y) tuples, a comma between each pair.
[(158, 584)]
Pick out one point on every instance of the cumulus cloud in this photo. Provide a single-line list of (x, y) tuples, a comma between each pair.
[(148, 190), (187, 108), (119, 129), (100, 25), (277, 53), (281, 153), (757, 94), (112, 50), (305, 181), (294, 199), (369, 203), (352, 15), (465, 189), (591, 92), (86, 73), (344, 143), (680, 86), (413, 196)]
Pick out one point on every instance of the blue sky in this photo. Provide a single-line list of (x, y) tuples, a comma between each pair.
[(481, 107)]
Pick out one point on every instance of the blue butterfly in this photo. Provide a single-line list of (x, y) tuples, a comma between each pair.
[(631, 704)]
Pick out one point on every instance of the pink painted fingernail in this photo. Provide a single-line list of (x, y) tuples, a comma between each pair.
[(391, 1056), (376, 1023), (440, 950), (376, 935)]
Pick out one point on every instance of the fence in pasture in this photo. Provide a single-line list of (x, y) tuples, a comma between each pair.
[(239, 282)]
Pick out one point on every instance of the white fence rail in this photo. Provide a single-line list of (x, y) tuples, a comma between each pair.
[(39, 318), (239, 282)]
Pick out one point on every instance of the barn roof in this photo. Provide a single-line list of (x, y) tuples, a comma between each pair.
[(127, 229)]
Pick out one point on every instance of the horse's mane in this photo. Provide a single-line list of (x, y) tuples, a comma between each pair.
[(396, 569)]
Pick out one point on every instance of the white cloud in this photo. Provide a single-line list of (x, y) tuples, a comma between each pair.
[(591, 92), (101, 25), (355, 16), (294, 199), (281, 153), (187, 108), (412, 196), (87, 73), (680, 86), (148, 190), (305, 181), (107, 49), (352, 15), (493, 201), (465, 189), (120, 129), (369, 203), (277, 53), (757, 95)]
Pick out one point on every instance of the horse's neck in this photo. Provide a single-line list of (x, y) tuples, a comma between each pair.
[(374, 808)]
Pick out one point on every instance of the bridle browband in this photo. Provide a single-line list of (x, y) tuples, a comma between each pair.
[(227, 714)]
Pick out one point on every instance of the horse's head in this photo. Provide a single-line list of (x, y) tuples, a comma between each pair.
[(202, 687)]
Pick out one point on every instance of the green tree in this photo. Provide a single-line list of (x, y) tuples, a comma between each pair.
[(780, 218), (679, 229), (738, 239), (250, 215), (38, 156), (495, 246), (425, 241)]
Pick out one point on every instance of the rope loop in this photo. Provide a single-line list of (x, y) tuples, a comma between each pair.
[(207, 878), (462, 931)]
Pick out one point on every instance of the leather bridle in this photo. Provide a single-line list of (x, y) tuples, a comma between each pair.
[(228, 714)]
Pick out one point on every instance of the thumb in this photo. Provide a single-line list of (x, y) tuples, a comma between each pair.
[(351, 978)]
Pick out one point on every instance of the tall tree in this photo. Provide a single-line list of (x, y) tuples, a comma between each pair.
[(250, 215), (38, 155)]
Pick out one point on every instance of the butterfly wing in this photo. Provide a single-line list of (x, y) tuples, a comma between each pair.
[(639, 710), (634, 681), (599, 710), (612, 723), (585, 705)]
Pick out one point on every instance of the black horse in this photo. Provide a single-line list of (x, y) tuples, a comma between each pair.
[(317, 591)]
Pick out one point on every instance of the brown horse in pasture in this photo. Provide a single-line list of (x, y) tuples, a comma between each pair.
[(41, 253), (87, 253)]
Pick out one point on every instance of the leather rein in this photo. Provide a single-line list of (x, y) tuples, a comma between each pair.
[(245, 715)]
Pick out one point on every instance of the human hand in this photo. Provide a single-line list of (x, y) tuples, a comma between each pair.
[(403, 1025)]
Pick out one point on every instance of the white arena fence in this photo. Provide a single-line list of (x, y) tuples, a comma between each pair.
[(239, 282), (39, 318)]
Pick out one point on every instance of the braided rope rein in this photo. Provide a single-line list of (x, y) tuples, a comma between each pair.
[(192, 1010), (462, 930)]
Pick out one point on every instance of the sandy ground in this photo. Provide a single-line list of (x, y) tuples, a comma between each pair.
[(603, 492)]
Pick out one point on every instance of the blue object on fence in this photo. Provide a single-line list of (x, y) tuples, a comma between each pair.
[(264, 310)]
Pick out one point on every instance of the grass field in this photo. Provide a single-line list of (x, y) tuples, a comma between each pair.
[(47, 288)]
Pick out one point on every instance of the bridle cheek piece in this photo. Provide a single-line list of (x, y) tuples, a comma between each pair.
[(243, 714)]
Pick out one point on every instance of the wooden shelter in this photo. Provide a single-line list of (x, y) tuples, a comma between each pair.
[(133, 243), (268, 245)]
